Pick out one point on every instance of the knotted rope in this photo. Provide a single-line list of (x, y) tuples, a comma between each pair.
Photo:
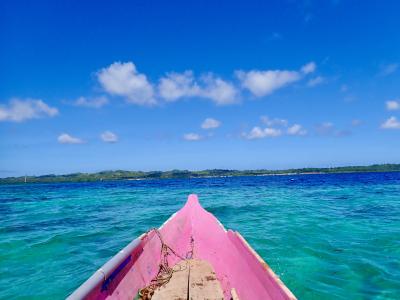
[(165, 272)]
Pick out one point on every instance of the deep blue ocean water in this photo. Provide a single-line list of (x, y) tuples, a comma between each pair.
[(333, 236)]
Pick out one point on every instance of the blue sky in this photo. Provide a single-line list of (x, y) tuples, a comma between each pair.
[(157, 85)]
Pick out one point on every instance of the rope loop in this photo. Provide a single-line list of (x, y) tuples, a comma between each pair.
[(165, 272)]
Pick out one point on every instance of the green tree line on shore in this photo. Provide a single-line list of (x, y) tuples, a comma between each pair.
[(137, 175)]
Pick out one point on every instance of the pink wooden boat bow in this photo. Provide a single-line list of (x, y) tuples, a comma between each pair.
[(192, 231)]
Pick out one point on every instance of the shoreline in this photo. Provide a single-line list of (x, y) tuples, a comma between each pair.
[(123, 175)]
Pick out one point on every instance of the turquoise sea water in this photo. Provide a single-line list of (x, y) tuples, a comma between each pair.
[(327, 236)]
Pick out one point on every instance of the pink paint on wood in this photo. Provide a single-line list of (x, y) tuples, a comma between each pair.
[(235, 263)]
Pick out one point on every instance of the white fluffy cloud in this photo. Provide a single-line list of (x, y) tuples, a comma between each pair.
[(210, 123), (393, 105), (95, 102), (220, 91), (259, 133), (391, 123), (65, 138), (109, 137), (175, 86), (19, 110), (123, 79), (263, 83), (274, 127), (296, 129), (192, 137)]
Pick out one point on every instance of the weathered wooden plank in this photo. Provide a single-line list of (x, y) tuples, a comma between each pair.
[(177, 287), (203, 283), (198, 276)]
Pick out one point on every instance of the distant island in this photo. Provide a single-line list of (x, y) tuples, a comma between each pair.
[(140, 175)]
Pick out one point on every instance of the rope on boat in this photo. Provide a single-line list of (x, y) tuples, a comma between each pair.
[(165, 272)]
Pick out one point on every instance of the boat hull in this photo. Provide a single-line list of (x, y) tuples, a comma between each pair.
[(192, 232)]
